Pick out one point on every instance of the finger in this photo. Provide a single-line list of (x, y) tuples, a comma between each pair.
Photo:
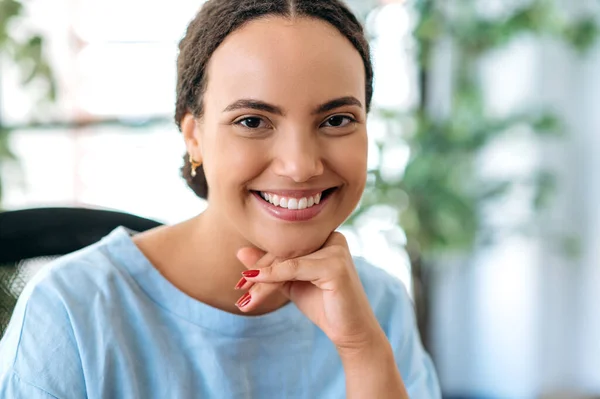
[(295, 269), (256, 295), (243, 284), (252, 258), (249, 256)]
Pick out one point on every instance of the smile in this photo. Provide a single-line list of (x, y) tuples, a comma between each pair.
[(294, 205), (291, 202)]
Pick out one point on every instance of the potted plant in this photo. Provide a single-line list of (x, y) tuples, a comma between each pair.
[(438, 199)]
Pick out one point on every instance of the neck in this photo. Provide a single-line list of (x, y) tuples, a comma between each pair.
[(198, 256)]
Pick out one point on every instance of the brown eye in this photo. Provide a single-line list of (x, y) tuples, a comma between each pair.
[(339, 121), (251, 123)]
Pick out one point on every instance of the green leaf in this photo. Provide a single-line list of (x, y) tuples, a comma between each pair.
[(494, 190), (548, 123), (571, 247), (9, 9), (582, 34), (545, 188)]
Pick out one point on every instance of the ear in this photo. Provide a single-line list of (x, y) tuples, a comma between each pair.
[(190, 128)]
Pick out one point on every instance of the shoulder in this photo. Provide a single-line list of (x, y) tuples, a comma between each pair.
[(387, 294), (62, 281), (76, 272), (394, 310), (78, 278), (13, 387), (390, 302), (40, 339)]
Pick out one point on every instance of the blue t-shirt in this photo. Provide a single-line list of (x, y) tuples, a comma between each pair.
[(104, 323)]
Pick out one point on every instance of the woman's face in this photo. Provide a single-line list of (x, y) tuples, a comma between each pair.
[(283, 135)]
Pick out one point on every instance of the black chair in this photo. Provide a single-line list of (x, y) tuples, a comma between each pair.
[(30, 238)]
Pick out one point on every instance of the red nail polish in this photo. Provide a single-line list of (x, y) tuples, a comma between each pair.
[(240, 283), (250, 273), (244, 300)]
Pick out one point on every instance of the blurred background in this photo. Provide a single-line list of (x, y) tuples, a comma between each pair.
[(484, 185)]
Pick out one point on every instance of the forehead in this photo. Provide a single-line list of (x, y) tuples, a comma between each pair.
[(282, 60)]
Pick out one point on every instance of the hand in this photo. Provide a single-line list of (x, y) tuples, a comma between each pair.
[(324, 285)]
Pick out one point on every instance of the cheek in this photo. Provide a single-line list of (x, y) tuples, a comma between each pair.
[(349, 160), (232, 161)]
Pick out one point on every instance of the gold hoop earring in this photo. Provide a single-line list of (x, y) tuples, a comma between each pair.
[(195, 165)]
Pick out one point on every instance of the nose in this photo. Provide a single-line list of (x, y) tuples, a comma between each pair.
[(298, 156)]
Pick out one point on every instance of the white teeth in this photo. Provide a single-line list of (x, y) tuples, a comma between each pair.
[(292, 203), (303, 203)]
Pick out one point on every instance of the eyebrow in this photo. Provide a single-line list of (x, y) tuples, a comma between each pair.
[(337, 103), (254, 104), (273, 109)]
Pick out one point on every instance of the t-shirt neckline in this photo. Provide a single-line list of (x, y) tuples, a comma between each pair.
[(121, 248)]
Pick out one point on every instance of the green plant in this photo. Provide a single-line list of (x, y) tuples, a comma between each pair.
[(27, 52), (445, 197)]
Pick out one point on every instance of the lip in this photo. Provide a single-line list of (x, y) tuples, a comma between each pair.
[(292, 215)]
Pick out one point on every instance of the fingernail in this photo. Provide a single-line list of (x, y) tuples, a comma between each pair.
[(244, 300), (240, 284), (250, 273)]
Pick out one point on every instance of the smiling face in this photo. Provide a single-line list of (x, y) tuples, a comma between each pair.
[(284, 127)]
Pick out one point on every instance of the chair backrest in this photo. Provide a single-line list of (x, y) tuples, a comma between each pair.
[(35, 236), (31, 233)]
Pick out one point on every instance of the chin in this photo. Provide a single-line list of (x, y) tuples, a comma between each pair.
[(286, 246)]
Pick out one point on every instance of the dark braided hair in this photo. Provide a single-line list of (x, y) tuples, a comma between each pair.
[(219, 18)]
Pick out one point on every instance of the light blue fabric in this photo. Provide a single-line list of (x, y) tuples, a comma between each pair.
[(103, 323)]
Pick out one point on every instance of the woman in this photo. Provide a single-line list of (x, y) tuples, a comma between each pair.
[(258, 296)]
